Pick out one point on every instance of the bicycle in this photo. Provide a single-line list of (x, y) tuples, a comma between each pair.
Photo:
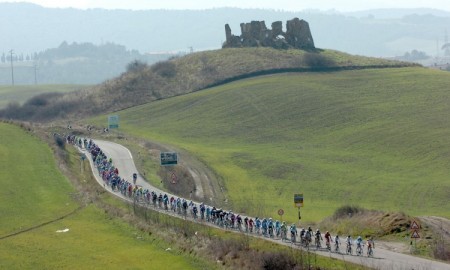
[(359, 250), (369, 251), (349, 249), (283, 236), (293, 237), (328, 246), (317, 242), (336, 247)]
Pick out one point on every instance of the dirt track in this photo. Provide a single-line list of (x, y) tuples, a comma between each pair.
[(383, 258), (439, 225)]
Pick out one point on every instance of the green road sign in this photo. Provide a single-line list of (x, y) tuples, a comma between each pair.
[(169, 158), (113, 121)]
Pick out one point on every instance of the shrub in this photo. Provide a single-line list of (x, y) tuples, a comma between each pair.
[(60, 141), (275, 261), (347, 211), (165, 69), (317, 60), (136, 66)]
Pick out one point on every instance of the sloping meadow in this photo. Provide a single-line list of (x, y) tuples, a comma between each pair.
[(376, 138)]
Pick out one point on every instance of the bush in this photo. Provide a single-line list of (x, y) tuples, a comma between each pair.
[(165, 69), (136, 66), (60, 141), (317, 60), (275, 261), (347, 211)]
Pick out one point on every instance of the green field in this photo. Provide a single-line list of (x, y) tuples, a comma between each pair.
[(34, 192), (21, 93), (375, 138)]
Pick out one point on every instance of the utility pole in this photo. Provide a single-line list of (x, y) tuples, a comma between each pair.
[(35, 73), (12, 67)]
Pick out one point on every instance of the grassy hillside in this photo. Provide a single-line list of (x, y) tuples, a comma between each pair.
[(376, 138), (35, 192), (21, 93), (142, 84)]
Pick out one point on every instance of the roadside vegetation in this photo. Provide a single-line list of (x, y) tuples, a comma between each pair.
[(141, 83)]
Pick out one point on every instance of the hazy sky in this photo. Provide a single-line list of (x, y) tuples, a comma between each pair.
[(288, 5)]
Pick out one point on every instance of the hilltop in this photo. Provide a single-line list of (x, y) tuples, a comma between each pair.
[(141, 83)]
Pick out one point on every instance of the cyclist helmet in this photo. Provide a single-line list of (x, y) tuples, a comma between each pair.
[(359, 238)]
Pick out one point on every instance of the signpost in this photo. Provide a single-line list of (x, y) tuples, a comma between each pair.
[(113, 121), (298, 202), (281, 213), (169, 158), (414, 232)]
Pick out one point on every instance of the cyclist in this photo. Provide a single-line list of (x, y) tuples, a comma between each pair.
[(239, 222), (264, 226), (370, 246), (270, 227), (202, 211), (293, 230), (328, 240), (250, 224), (337, 243), (246, 224), (308, 238), (349, 244), (318, 238), (278, 228), (258, 225), (134, 178), (359, 245), (302, 236), (283, 231)]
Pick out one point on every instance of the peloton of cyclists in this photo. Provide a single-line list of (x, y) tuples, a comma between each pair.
[(270, 228)]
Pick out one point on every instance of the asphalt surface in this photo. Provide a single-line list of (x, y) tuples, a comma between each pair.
[(383, 259)]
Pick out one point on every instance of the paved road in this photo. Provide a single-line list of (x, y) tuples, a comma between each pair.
[(383, 259)]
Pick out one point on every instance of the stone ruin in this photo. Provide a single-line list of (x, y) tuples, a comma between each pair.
[(255, 34)]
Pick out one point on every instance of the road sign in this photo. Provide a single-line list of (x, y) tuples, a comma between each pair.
[(298, 200), (414, 225), (169, 158), (113, 121), (280, 212), (415, 234)]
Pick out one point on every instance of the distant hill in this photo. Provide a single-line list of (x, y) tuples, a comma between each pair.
[(142, 83), (28, 28), (75, 63)]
